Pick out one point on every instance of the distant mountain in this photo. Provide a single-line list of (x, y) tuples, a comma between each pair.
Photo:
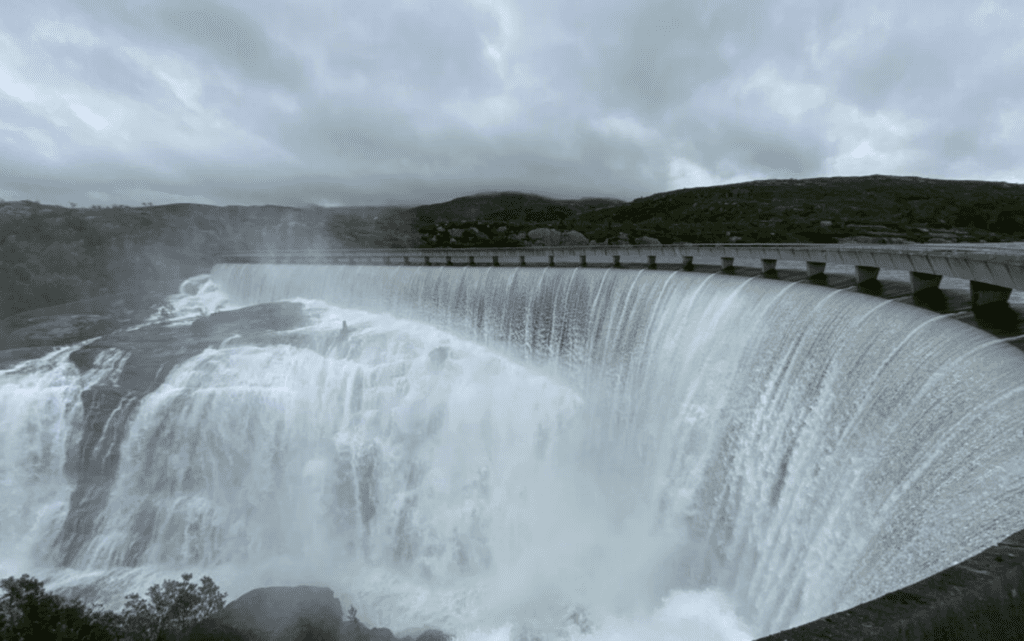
[(509, 207), (858, 209), (826, 210)]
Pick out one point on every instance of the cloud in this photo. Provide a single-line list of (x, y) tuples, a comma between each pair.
[(225, 101)]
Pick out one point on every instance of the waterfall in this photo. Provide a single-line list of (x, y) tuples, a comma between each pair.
[(528, 453)]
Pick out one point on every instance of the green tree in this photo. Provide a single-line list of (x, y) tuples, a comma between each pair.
[(171, 609), (28, 613)]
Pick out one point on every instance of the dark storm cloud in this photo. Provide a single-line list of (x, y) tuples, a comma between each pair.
[(107, 101)]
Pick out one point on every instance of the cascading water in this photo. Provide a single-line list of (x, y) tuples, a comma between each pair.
[(528, 453)]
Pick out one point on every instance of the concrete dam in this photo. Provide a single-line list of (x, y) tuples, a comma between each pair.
[(529, 453)]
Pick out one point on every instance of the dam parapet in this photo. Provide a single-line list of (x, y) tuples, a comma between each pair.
[(994, 270)]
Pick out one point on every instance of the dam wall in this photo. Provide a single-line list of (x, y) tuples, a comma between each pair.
[(978, 599), (994, 270), (462, 298)]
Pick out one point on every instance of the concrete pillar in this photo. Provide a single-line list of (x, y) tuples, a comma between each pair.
[(522, 261), (494, 261), (447, 260), (583, 260), (405, 259), (652, 262), (687, 263), (472, 262), (866, 274), (616, 261), (815, 269), (768, 265), (551, 260), (727, 263), (920, 281), (987, 294)]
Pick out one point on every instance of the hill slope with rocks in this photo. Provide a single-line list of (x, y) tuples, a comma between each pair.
[(873, 209), (52, 255)]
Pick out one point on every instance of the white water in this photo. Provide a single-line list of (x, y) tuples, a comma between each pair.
[(493, 450)]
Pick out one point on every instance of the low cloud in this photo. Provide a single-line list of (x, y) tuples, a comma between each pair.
[(124, 101)]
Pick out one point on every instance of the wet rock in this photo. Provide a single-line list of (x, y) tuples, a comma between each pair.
[(11, 357), (73, 322), (257, 318), (301, 613), (151, 353), (58, 330), (277, 614), (155, 350)]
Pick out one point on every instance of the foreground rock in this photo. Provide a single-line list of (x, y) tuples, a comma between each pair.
[(301, 613)]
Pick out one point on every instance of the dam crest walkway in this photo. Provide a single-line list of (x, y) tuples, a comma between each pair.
[(993, 269)]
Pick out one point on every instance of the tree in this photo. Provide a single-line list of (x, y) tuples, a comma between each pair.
[(171, 609), (28, 612)]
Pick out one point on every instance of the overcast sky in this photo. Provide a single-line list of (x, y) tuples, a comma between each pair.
[(416, 101)]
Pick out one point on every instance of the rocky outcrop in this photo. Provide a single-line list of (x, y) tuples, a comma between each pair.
[(150, 353), (552, 237), (647, 240), (301, 613), (60, 330), (71, 322), (276, 614)]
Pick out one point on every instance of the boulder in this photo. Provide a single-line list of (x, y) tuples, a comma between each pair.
[(545, 236), (300, 613), (573, 237)]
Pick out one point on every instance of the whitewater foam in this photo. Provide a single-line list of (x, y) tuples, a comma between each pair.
[(534, 453)]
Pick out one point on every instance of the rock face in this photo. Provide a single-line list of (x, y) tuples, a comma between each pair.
[(33, 333), (151, 353), (60, 330), (301, 613)]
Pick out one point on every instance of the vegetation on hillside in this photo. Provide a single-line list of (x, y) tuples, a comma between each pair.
[(29, 613), (51, 255), (819, 210)]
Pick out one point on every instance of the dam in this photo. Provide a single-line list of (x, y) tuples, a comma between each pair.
[(526, 453)]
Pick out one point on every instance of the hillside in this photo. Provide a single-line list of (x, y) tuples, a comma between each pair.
[(859, 209), (50, 255)]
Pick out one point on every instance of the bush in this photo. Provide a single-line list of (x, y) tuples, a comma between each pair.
[(172, 609), (28, 612)]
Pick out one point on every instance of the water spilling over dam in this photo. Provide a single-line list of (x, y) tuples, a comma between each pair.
[(510, 452)]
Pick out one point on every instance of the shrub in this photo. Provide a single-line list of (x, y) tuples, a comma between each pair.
[(28, 612), (171, 609)]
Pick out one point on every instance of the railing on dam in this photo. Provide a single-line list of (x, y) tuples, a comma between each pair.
[(994, 270)]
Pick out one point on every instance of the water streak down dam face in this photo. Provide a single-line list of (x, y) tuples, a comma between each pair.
[(496, 445)]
